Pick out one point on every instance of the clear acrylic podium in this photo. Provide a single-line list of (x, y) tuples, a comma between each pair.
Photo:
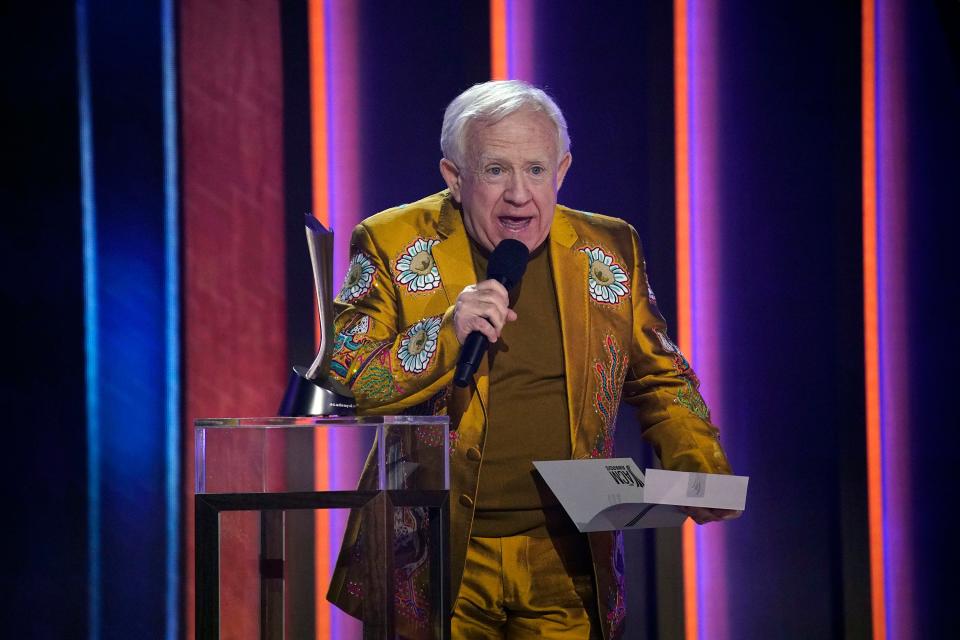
[(256, 479)]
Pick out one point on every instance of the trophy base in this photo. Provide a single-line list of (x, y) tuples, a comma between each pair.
[(305, 397)]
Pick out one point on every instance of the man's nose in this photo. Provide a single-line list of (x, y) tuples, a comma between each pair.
[(517, 191)]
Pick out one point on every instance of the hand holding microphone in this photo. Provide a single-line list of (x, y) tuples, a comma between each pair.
[(482, 309)]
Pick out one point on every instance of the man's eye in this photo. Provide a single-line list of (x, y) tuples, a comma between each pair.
[(495, 171), (537, 170)]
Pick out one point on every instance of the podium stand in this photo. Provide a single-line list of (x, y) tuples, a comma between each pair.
[(262, 465)]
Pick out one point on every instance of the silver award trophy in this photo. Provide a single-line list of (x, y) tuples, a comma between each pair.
[(313, 391)]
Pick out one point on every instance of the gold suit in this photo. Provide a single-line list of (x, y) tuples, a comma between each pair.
[(397, 349)]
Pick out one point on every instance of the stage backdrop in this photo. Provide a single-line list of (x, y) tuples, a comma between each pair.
[(791, 170)]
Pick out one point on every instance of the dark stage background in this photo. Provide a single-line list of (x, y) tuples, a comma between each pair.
[(190, 135)]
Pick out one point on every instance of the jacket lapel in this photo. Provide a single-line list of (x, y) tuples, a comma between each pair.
[(455, 264), (569, 268), (452, 253)]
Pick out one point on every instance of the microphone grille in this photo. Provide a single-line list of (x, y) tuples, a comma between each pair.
[(508, 262)]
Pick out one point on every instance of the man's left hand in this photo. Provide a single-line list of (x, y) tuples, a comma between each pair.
[(703, 515)]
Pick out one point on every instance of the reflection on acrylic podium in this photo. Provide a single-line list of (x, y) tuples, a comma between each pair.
[(261, 562)]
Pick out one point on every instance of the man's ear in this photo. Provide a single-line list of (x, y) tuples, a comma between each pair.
[(451, 175), (565, 162)]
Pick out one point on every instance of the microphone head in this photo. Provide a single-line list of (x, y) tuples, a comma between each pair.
[(508, 262)]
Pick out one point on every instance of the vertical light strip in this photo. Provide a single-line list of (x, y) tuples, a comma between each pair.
[(336, 197), (706, 283), (91, 318), (345, 450), (699, 280), (171, 188), (511, 40), (681, 127), (520, 39), (319, 128), (893, 300), (318, 110), (871, 320), (885, 112), (498, 40)]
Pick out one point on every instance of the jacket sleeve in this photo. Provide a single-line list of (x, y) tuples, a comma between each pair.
[(664, 389), (388, 367)]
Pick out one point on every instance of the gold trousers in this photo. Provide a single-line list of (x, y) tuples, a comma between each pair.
[(522, 587)]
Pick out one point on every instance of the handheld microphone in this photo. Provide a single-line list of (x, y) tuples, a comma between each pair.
[(507, 264)]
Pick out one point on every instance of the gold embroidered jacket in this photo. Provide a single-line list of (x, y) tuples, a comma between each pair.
[(397, 348)]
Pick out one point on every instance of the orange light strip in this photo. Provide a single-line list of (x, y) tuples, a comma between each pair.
[(871, 329), (498, 40), (681, 120), (319, 139), (681, 128)]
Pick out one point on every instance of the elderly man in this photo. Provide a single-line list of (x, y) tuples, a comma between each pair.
[(580, 333)]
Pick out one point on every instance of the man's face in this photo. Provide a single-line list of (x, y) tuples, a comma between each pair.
[(509, 187)]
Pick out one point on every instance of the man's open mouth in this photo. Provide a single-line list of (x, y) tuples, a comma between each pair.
[(514, 223)]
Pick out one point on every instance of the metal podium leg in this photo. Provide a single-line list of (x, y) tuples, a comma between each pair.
[(271, 575), (378, 620), (207, 570), (439, 570)]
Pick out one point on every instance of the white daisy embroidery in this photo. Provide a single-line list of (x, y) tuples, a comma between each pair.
[(359, 278), (607, 279), (360, 326), (419, 345), (416, 269)]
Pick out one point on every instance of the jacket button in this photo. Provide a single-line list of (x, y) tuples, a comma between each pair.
[(466, 500), (473, 453)]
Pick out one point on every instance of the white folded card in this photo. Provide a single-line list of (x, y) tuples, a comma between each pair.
[(612, 493)]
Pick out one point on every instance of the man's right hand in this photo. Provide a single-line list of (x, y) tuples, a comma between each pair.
[(482, 307)]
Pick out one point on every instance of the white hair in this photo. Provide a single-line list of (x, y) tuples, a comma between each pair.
[(490, 102)]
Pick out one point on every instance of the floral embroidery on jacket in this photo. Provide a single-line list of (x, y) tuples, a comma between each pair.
[(416, 269), (419, 345), (346, 345), (607, 279), (690, 396), (692, 400), (431, 435), (411, 557), (359, 279), (606, 400), (359, 327), (377, 381), (454, 439), (616, 607)]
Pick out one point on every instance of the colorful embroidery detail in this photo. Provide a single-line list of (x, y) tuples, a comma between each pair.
[(607, 279), (690, 396), (419, 345), (410, 553), (666, 342), (606, 400), (359, 327), (616, 607), (346, 345), (431, 435), (416, 269), (377, 381), (683, 368), (692, 400), (359, 279), (454, 438)]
